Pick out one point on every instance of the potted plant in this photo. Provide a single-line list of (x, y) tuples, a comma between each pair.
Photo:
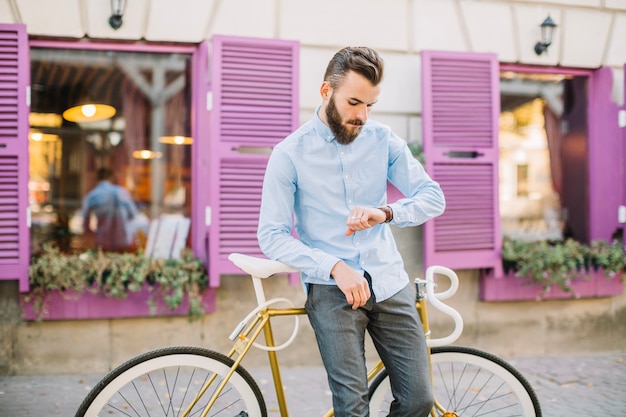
[(560, 263), (117, 275)]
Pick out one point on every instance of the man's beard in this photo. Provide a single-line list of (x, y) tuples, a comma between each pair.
[(343, 134)]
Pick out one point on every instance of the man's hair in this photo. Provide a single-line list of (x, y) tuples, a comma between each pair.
[(362, 60), (105, 174)]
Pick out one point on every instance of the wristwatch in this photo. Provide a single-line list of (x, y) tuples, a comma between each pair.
[(388, 213)]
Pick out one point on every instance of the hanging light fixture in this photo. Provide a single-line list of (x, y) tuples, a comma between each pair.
[(547, 30), (39, 136), (176, 140), (89, 112), (177, 124), (146, 154)]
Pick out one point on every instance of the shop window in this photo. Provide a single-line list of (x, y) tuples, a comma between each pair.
[(143, 141), (530, 204)]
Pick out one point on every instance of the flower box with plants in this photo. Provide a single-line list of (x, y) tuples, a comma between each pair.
[(97, 284), (556, 270)]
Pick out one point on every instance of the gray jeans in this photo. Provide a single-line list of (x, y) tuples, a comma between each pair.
[(398, 336)]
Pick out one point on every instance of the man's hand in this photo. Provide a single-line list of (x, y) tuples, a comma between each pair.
[(352, 284), (361, 218)]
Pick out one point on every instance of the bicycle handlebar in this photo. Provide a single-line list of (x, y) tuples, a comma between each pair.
[(435, 299)]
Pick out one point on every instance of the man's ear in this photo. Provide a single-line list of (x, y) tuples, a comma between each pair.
[(326, 90)]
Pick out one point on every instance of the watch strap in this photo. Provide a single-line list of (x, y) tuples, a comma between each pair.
[(388, 213)]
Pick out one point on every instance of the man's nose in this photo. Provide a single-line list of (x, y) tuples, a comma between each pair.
[(362, 113)]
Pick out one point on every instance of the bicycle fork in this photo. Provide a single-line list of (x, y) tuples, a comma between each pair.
[(243, 343)]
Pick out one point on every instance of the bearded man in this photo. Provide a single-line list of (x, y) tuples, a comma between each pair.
[(329, 180)]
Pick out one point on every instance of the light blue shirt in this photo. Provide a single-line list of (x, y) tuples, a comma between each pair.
[(115, 210), (316, 181)]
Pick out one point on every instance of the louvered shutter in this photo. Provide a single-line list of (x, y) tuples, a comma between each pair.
[(460, 109), (14, 81), (622, 124), (255, 105), (606, 158)]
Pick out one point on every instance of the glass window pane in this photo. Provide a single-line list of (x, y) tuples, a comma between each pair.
[(143, 140), (530, 206)]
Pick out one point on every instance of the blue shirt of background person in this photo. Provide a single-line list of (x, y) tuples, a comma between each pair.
[(114, 210)]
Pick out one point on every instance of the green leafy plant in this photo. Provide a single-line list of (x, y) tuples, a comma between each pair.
[(559, 263), (116, 275), (417, 151)]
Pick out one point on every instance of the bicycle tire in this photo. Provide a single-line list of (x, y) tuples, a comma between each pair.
[(163, 382), (468, 382)]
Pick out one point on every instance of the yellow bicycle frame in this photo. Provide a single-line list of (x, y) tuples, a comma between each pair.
[(262, 323)]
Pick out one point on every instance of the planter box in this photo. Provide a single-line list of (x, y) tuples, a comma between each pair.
[(511, 288), (68, 305)]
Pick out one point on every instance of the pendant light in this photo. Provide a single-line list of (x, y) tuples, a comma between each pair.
[(176, 140), (89, 112)]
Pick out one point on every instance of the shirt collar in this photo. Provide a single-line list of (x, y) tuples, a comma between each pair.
[(322, 128)]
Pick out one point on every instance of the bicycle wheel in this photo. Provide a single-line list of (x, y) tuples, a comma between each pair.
[(164, 382), (468, 382)]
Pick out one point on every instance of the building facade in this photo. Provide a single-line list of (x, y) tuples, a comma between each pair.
[(525, 144)]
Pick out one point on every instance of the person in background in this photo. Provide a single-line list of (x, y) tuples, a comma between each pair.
[(330, 178), (114, 210)]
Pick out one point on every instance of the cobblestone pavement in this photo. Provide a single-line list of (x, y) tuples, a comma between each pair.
[(582, 385)]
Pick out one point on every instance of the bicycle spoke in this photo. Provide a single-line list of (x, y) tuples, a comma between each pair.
[(470, 383), (171, 387), (168, 381), (182, 400)]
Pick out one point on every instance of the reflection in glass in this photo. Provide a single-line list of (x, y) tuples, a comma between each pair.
[(150, 93), (529, 204)]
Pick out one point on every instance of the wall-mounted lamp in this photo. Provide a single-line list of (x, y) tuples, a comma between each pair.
[(117, 13), (547, 30)]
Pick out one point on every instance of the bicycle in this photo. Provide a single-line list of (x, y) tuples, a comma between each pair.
[(194, 381)]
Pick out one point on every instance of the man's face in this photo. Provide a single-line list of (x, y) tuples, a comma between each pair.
[(347, 107)]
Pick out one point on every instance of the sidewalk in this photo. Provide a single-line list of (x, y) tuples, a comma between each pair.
[(585, 385)]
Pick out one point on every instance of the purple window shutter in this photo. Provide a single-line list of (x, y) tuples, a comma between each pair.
[(255, 105), (200, 151), (623, 137), (606, 157), (460, 110), (14, 82)]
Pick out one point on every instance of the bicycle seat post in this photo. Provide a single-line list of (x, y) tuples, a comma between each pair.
[(258, 290), (259, 268)]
